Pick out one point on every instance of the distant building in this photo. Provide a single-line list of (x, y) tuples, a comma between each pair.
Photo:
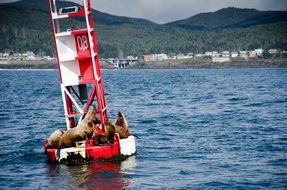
[(243, 54), (130, 57), (215, 54), (5, 54), (30, 56), (3, 59), (234, 54), (220, 59), (190, 55), (225, 54), (182, 56), (146, 58), (24, 55), (208, 54), (252, 54), (198, 55), (272, 51), (259, 52), (48, 58), (30, 53), (158, 57)]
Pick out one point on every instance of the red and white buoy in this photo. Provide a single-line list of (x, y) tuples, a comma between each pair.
[(81, 83)]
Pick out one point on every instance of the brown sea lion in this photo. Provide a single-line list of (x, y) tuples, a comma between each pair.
[(87, 123), (54, 139), (106, 137), (121, 126), (83, 131)]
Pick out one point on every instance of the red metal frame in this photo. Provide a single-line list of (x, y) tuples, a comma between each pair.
[(88, 62)]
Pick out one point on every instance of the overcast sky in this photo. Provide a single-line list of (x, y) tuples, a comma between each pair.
[(163, 11)]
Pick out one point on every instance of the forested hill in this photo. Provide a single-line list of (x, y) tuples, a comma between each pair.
[(25, 25), (230, 18)]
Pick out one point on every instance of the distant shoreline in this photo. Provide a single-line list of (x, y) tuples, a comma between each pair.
[(207, 64), (167, 64)]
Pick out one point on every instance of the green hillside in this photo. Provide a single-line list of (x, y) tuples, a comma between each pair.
[(230, 18), (25, 25)]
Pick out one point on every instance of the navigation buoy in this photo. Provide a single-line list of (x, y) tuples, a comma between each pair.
[(82, 91)]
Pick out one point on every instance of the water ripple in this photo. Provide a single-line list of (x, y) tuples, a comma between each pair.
[(195, 129)]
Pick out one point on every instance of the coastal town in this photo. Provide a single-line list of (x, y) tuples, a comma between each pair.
[(223, 56), (10, 57)]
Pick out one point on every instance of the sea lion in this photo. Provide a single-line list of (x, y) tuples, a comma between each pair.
[(54, 139), (83, 131), (87, 123), (106, 137), (121, 126)]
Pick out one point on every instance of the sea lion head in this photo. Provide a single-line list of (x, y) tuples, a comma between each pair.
[(109, 127), (121, 120), (89, 128), (90, 115), (86, 126)]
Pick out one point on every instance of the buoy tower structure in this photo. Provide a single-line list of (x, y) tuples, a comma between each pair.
[(81, 81)]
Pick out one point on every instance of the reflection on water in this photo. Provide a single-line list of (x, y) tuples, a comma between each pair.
[(97, 175)]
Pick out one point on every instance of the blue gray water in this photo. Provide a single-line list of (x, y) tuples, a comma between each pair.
[(195, 129)]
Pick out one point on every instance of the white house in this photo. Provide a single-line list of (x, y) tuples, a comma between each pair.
[(198, 55), (243, 54), (259, 52), (225, 54), (208, 53), (130, 57), (30, 56), (182, 56), (252, 54), (158, 57), (215, 54), (190, 55), (234, 54), (272, 51), (5, 54)]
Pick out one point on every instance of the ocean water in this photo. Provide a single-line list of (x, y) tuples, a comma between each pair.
[(195, 129)]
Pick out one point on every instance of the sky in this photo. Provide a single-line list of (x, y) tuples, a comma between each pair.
[(163, 11)]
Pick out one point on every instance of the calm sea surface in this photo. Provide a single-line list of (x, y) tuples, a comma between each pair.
[(195, 129)]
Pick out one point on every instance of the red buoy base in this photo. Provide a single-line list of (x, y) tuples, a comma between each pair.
[(86, 151)]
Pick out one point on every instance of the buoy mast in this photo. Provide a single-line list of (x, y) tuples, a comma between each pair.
[(78, 64)]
